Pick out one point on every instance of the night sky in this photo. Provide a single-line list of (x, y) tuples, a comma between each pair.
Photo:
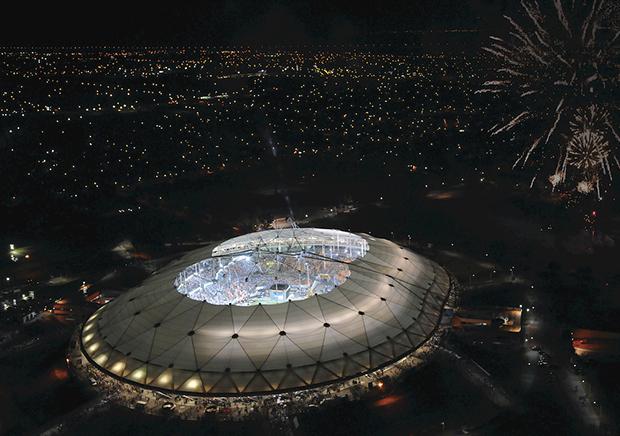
[(240, 21)]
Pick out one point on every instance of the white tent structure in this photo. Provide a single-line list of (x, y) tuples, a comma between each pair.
[(351, 304)]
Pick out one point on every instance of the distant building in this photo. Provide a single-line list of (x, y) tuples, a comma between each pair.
[(596, 344), (283, 223)]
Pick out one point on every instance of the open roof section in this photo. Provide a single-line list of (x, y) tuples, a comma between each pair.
[(272, 267)]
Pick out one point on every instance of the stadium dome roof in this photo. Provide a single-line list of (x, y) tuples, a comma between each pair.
[(267, 312)]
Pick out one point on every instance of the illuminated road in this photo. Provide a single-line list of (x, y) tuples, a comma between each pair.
[(542, 332), (544, 370), (480, 377)]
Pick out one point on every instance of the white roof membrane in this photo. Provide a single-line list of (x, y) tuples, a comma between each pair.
[(157, 337)]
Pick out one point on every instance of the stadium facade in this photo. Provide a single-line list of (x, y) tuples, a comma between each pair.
[(269, 312)]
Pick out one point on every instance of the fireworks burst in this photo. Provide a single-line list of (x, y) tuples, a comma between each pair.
[(561, 65), (587, 151), (593, 118), (585, 187)]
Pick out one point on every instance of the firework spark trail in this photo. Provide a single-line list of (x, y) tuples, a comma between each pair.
[(527, 153), (512, 72), (558, 60), (532, 92), (588, 21), (515, 121), (562, 17)]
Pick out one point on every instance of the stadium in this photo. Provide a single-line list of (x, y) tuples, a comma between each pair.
[(270, 312)]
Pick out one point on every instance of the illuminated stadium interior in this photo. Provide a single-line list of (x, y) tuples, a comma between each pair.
[(272, 267)]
